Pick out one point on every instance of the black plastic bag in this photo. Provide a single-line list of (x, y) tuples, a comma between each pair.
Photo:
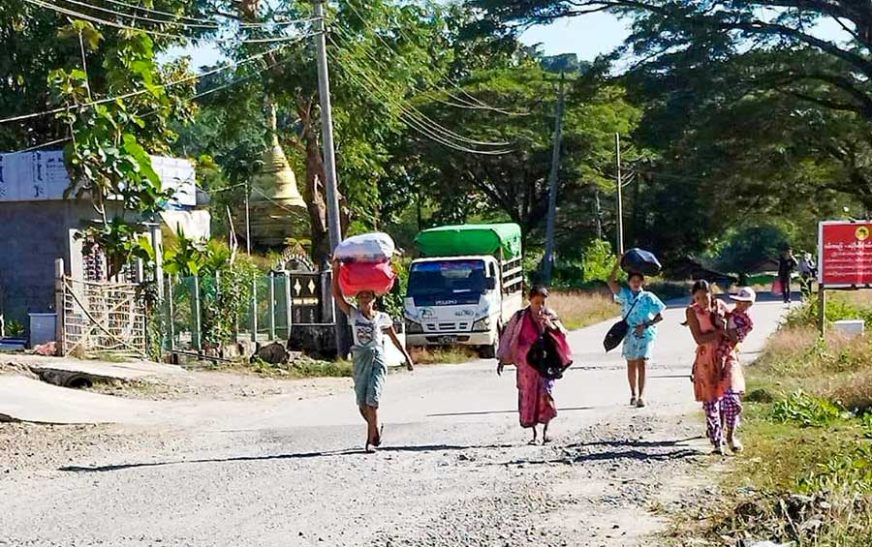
[(618, 331), (616, 335), (639, 261), (544, 357)]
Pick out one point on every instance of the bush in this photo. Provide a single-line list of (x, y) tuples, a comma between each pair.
[(839, 306), (597, 261), (805, 409)]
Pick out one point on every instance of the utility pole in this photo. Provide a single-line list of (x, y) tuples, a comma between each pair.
[(548, 260), (247, 221), (333, 222), (599, 213), (620, 200)]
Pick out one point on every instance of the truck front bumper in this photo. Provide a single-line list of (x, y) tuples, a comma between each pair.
[(451, 338)]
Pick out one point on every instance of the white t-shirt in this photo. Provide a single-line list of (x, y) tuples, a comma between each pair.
[(365, 330)]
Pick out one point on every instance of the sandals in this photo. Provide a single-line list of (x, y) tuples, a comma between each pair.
[(372, 445), (378, 440)]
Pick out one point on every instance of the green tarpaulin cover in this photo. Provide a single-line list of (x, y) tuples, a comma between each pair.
[(471, 239)]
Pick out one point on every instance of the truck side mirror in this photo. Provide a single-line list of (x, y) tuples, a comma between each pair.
[(490, 283)]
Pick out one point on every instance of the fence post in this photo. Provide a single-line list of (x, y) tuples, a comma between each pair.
[(272, 306), (327, 298), (171, 322), (198, 342), (288, 303), (254, 310), (59, 306), (822, 310)]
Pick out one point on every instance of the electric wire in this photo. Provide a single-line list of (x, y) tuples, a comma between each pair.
[(423, 118), (193, 98), (97, 20), (476, 104), (242, 24), (414, 123), (147, 90)]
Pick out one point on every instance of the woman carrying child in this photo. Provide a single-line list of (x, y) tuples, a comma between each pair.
[(739, 325), (706, 319), (718, 381)]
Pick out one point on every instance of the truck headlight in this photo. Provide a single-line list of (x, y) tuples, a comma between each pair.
[(413, 327), (482, 324)]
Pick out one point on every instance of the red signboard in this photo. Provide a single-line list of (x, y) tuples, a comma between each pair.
[(845, 254)]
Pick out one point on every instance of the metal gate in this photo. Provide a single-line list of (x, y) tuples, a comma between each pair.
[(102, 316), (307, 299)]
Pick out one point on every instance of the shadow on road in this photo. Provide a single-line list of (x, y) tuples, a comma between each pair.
[(513, 411), (273, 457), (621, 450), (624, 442), (610, 455)]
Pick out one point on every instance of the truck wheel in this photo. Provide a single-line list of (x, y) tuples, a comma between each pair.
[(488, 352)]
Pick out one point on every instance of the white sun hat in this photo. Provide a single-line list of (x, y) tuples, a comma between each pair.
[(745, 294)]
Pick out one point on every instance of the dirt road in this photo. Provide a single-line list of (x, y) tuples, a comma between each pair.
[(455, 470)]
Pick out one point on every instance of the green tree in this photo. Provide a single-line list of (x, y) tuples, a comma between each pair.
[(107, 161), (758, 65), (37, 41), (514, 186), (747, 247)]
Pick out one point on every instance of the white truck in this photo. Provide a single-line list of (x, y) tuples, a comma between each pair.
[(465, 287)]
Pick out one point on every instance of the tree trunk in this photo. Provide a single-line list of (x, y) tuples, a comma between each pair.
[(316, 202)]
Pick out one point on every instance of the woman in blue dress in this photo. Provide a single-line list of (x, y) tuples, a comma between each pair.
[(642, 311)]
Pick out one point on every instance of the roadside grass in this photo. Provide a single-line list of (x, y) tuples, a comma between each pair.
[(447, 355), (304, 367), (578, 309), (806, 473)]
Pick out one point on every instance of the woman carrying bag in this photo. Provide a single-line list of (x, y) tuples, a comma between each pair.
[(641, 311), (524, 332)]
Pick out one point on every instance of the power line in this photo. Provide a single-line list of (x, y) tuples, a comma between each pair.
[(84, 17), (143, 91), (444, 130), (99, 21), (416, 124), (136, 17), (242, 24), (475, 105), (38, 146), (193, 98), (423, 118)]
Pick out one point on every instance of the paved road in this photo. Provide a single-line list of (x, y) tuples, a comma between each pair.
[(456, 471)]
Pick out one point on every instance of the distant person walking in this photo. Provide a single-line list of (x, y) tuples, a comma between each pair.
[(642, 310), (786, 265), (535, 401), (370, 368), (706, 318), (807, 273)]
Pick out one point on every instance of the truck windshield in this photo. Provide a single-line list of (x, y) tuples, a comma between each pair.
[(447, 278)]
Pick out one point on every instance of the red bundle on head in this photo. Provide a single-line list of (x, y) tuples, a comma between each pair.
[(356, 277)]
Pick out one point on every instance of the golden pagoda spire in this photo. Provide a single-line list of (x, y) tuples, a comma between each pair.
[(278, 211)]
